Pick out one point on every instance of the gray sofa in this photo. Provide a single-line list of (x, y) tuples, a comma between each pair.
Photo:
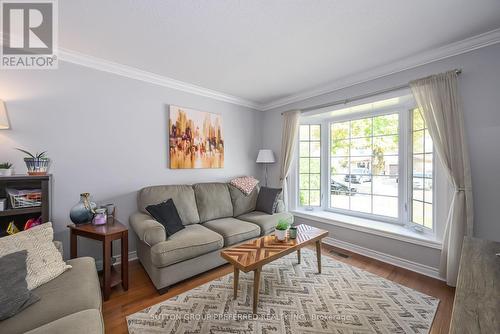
[(70, 303), (215, 216)]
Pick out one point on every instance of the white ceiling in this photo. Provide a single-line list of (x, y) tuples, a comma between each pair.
[(266, 50)]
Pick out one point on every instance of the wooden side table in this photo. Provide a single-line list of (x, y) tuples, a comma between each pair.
[(105, 233)]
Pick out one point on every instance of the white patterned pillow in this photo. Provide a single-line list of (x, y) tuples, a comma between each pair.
[(44, 261), (245, 183)]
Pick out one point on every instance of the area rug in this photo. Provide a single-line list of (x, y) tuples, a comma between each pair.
[(294, 298)]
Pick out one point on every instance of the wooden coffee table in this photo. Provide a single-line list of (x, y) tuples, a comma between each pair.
[(251, 256)]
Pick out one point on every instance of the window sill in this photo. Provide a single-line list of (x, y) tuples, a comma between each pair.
[(387, 230)]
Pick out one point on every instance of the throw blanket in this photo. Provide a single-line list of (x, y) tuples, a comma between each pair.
[(245, 183)]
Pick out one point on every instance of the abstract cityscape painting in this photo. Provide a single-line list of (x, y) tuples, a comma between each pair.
[(195, 139)]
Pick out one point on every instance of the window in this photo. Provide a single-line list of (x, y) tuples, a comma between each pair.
[(364, 165), (422, 171), (379, 163), (310, 165)]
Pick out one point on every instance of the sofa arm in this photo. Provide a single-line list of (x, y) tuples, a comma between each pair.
[(280, 207), (147, 229)]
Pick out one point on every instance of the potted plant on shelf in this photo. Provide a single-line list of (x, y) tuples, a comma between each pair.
[(37, 164), (5, 169), (281, 229)]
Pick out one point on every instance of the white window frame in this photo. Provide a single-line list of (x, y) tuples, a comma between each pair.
[(321, 161), (409, 195), (404, 170)]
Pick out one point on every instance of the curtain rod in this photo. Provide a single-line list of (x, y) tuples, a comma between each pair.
[(360, 97)]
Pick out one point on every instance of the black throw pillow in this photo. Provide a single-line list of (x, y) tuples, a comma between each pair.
[(166, 214), (14, 293), (267, 200)]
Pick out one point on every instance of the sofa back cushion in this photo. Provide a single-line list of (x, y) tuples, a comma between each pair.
[(213, 201), (181, 195), (243, 203)]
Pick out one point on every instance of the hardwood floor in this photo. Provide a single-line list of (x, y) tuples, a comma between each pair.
[(142, 293)]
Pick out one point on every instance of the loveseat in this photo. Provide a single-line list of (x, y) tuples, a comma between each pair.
[(215, 216)]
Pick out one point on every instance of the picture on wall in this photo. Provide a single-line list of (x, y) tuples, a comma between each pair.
[(195, 139)]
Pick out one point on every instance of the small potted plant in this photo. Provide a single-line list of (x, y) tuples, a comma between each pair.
[(37, 164), (5, 169), (280, 229)]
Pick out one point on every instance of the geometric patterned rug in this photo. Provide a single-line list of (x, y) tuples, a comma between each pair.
[(294, 298)]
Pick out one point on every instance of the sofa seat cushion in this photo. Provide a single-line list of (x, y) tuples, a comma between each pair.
[(83, 322), (213, 201), (233, 230), (182, 195), (75, 290), (192, 241), (266, 221)]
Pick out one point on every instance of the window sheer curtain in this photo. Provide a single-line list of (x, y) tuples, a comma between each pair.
[(288, 143), (438, 98)]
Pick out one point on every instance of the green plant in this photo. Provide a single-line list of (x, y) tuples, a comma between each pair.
[(282, 225), (37, 155), (5, 165)]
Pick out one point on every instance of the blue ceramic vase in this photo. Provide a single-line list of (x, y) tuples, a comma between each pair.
[(83, 211)]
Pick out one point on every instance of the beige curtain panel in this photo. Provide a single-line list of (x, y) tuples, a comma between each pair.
[(438, 98), (288, 143)]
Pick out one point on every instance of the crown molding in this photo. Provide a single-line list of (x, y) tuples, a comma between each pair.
[(450, 50), (100, 64), (104, 65), (447, 51)]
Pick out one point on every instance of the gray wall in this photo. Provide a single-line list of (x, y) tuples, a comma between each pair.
[(480, 87), (107, 135)]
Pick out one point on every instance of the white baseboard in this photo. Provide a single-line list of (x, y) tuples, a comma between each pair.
[(117, 259), (391, 259)]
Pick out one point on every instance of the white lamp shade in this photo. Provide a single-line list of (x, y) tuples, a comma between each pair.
[(4, 120), (265, 157)]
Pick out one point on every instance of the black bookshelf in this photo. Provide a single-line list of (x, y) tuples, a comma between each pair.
[(20, 215)]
